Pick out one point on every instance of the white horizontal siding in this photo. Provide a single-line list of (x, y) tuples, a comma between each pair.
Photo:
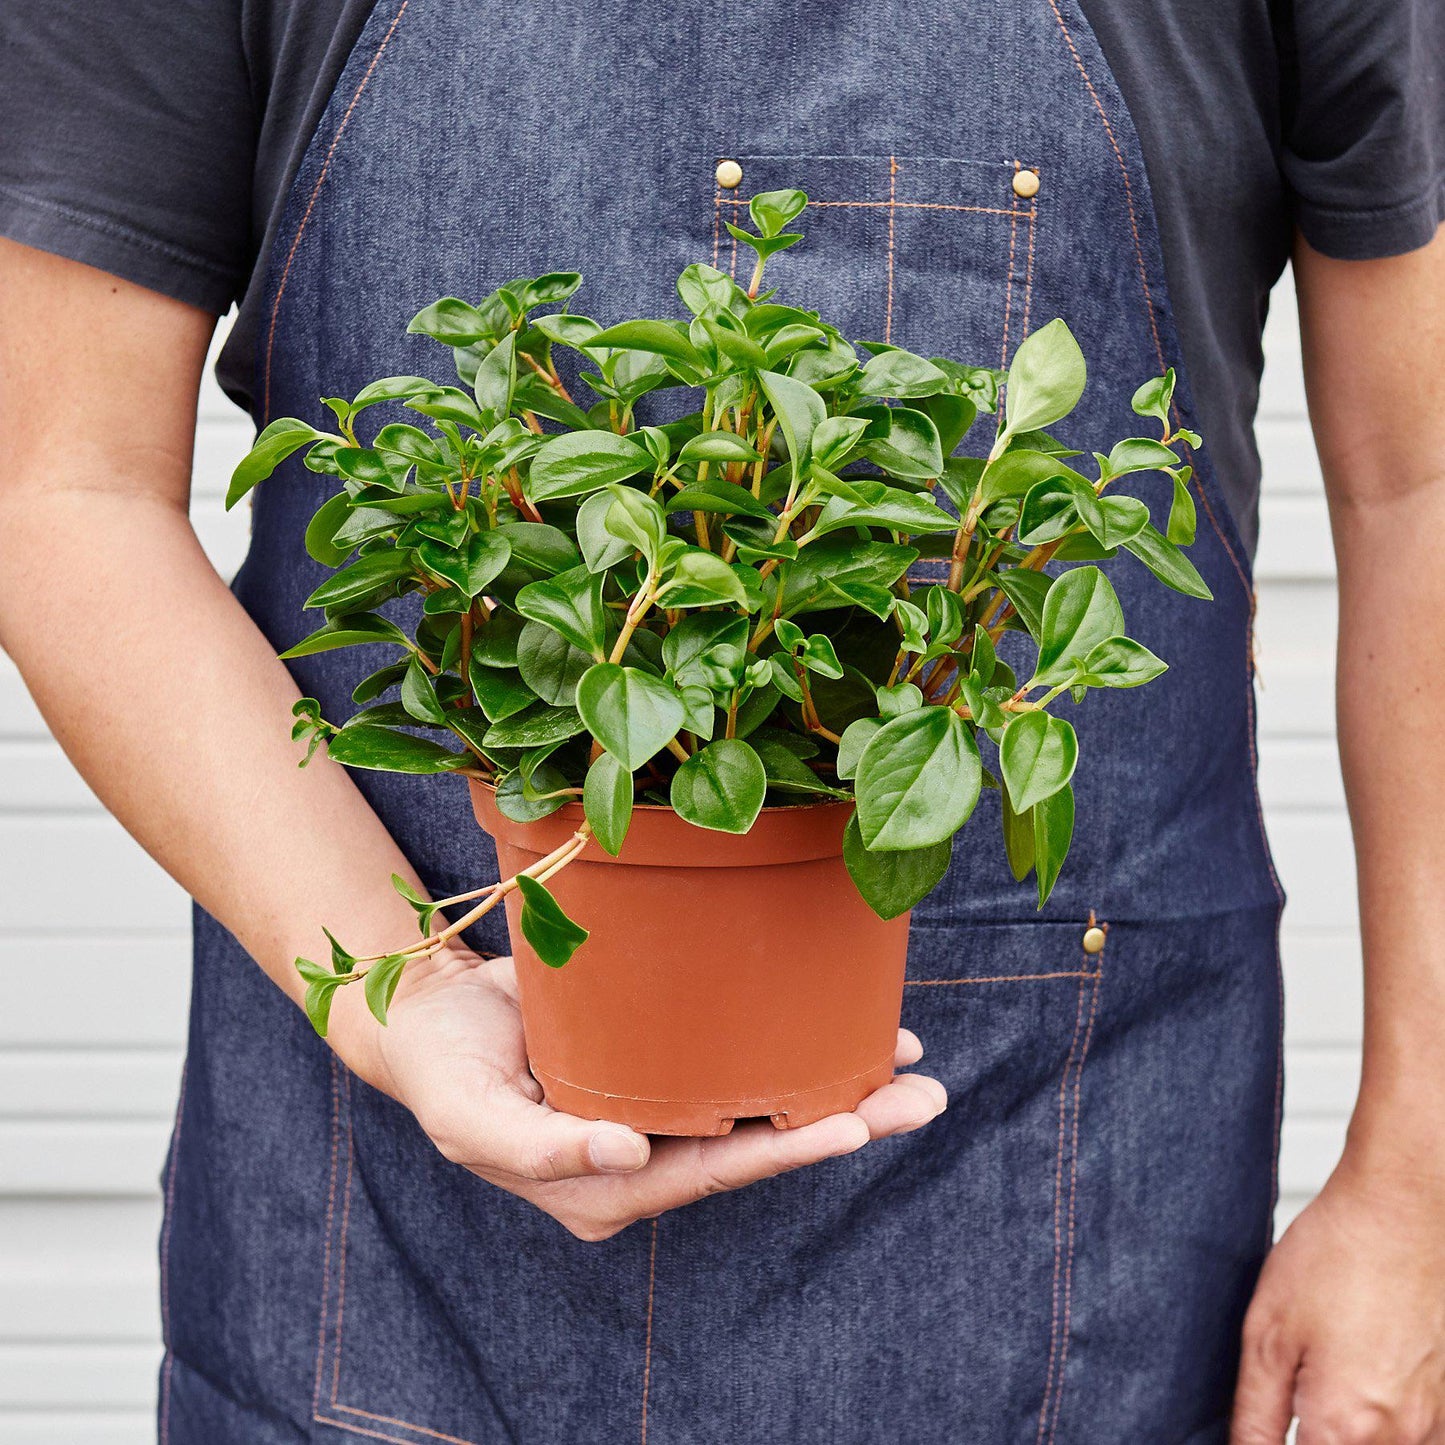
[(88, 1071)]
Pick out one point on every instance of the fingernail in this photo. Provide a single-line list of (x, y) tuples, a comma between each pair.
[(614, 1152)]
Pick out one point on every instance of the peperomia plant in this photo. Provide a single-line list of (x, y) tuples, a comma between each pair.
[(715, 612)]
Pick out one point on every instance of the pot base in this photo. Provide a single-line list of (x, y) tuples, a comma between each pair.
[(707, 1118)]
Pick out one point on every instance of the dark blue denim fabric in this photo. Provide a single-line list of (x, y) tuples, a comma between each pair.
[(1065, 1255)]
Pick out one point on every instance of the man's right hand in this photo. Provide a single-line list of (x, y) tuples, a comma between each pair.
[(453, 1053)]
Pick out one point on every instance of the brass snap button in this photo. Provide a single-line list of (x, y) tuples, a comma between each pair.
[(1026, 186), (729, 175), (1094, 940)]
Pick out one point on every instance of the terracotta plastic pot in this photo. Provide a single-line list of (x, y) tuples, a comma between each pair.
[(726, 976)]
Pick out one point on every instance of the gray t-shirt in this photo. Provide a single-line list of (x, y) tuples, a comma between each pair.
[(157, 141)]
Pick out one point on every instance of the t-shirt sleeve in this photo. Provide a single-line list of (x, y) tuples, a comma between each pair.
[(127, 134), (1364, 141)]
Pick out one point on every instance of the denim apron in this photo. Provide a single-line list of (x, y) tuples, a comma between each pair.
[(1064, 1255)]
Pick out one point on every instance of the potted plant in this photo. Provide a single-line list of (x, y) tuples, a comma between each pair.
[(721, 739)]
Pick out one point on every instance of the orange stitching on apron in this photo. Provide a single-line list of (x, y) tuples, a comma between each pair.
[(900, 206), (1008, 295), (341, 1258), (330, 1215), (1029, 268), (998, 978), (1058, 1206), (389, 1420), (358, 1430), (1073, 1199), (647, 1347), (311, 202), (892, 216), (165, 1429)]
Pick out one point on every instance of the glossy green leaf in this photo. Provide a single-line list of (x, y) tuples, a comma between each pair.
[(554, 937), (1038, 755), (1045, 379), (419, 696), (631, 713), (534, 727), (721, 786), (918, 780), (771, 211), (1121, 662), (1183, 520), (721, 496), (352, 630), (880, 505), (471, 566), (570, 603), (496, 377), (1168, 564), (892, 883), (1155, 397), (701, 579), (1080, 611), (900, 374), (607, 801), (662, 338), (382, 977), (1053, 829), (717, 446), (798, 408), (636, 519), (387, 750), (576, 463), (284, 436)]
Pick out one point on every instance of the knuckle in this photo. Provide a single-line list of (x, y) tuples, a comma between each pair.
[(590, 1230), (544, 1163), (1265, 1339)]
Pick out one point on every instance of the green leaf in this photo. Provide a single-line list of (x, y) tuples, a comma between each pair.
[(607, 801), (880, 505), (1038, 755), (575, 463), (662, 338), (1053, 828), (1121, 662), (419, 696), (722, 787), (1045, 380), (1168, 564), (1027, 590), (370, 579), (701, 579), (382, 978), (516, 799), (570, 603), (836, 438), (451, 321), (348, 631), (550, 665), (1154, 397), (319, 995), (1183, 520), (284, 436), (719, 495), (500, 692), (910, 448), (788, 773), (705, 289), (1080, 611), (322, 528), (410, 443), (494, 644), (856, 737), (799, 409), (600, 548), (534, 727), (553, 936), (901, 374), (841, 562), (631, 713), (696, 635), (1018, 839), (1140, 454), (470, 567), (891, 883), (1123, 518), (772, 210), (387, 750), (717, 446), (636, 519), (496, 377), (918, 780)]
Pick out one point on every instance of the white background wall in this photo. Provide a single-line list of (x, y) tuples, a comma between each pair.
[(89, 1064)]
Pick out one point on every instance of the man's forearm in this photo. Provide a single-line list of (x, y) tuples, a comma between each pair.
[(172, 705)]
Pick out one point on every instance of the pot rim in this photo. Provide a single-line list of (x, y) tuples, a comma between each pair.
[(793, 833)]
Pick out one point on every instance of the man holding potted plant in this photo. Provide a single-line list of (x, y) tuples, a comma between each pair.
[(1070, 1255)]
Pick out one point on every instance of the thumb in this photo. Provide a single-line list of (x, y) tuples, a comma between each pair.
[(1264, 1394), (534, 1141)]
